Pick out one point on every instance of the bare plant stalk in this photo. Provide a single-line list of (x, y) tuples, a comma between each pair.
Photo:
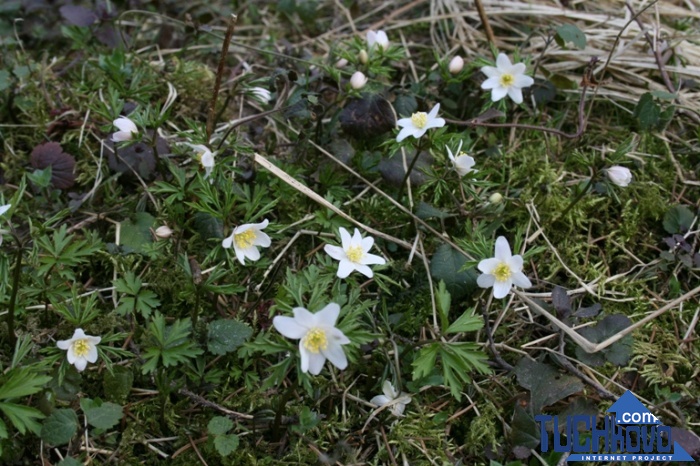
[(219, 75), (485, 21), (13, 297)]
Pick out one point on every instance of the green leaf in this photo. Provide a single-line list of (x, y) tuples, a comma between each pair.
[(226, 444), (60, 427), (664, 95), (424, 363), (136, 299), (569, 33), (169, 345), (426, 211), (5, 80), (117, 384), (22, 417), (546, 384), (70, 462), (678, 219), (99, 414), (442, 296), (619, 353), (136, 234), (524, 428), (647, 112), (219, 425), (446, 265), (467, 322), (226, 335), (22, 382), (208, 226)]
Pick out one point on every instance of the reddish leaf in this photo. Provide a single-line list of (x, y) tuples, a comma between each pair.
[(78, 15), (62, 165)]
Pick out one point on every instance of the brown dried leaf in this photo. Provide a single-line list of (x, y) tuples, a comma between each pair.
[(50, 154)]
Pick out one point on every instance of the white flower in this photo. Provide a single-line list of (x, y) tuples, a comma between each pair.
[(462, 162), (206, 159), (341, 63), (3, 209), (506, 79), (319, 339), (245, 238), (82, 349), (353, 254), (262, 94), (378, 38), (127, 129), (456, 64), (419, 123), (358, 80), (503, 271), (620, 176), (398, 400)]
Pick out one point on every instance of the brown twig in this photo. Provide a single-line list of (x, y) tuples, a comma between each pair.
[(219, 76), (586, 82), (485, 21), (210, 404)]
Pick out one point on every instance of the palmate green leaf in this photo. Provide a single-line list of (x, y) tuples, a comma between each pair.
[(3, 431), (170, 344), (21, 382), (22, 417), (60, 427), (467, 322), (102, 415), (61, 252), (424, 363), (136, 299)]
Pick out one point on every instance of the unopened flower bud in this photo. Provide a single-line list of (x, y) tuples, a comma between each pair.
[(342, 63), (363, 57), (358, 80), (620, 176), (495, 198), (456, 64), (163, 232)]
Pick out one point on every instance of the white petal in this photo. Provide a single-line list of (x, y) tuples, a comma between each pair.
[(327, 316), (316, 362), (345, 268), (337, 335), (498, 92), (80, 364), (518, 69), (450, 155), (434, 123), (491, 72), (92, 354), (227, 242), (121, 136), (289, 327), (78, 334), (485, 280), (516, 94), (372, 259), (305, 356), (379, 400), (433, 113), (304, 317), (405, 123), (491, 83), (357, 238), (335, 354), (521, 280), (262, 240), (503, 62), (367, 243), (336, 252), (345, 239), (501, 289), (487, 265), (523, 81), (398, 409), (503, 253), (515, 263), (251, 253), (126, 125), (389, 390), (64, 344), (240, 255), (364, 270), (5, 208), (406, 132)]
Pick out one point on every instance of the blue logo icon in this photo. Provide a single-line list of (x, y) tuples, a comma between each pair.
[(630, 433)]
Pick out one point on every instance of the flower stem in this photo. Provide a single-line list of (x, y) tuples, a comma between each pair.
[(419, 147), (577, 197)]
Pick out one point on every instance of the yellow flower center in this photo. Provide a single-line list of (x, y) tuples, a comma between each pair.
[(355, 253), (507, 80), (419, 119), (81, 347), (245, 239), (315, 340), (502, 272)]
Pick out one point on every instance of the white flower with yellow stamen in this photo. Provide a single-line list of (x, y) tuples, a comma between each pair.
[(318, 337), (353, 255), (82, 349), (506, 79), (205, 158), (502, 271), (419, 123), (462, 162), (391, 395), (245, 240)]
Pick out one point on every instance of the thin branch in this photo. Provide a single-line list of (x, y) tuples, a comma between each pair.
[(219, 75)]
